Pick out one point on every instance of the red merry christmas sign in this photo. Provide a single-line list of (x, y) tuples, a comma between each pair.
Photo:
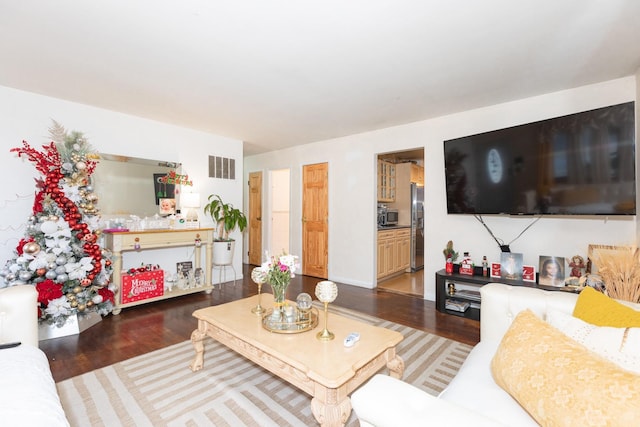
[(141, 286)]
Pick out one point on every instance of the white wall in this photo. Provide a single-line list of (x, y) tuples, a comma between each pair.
[(352, 193), (27, 116)]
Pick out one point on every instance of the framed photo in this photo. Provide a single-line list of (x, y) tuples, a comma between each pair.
[(528, 273), (183, 268), (167, 206), (162, 189), (495, 269), (552, 271), (198, 276), (511, 265)]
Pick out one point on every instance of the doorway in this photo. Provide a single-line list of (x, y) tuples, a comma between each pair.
[(280, 211), (400, 239)]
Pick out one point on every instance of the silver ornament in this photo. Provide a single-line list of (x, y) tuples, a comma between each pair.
[(61, 278), (51, 274), (61, 260), (25, 275), (60, 269)]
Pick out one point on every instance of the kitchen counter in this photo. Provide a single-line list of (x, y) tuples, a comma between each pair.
[(392, 227)]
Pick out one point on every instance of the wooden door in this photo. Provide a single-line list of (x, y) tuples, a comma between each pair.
[(255, 218), (315, 215)]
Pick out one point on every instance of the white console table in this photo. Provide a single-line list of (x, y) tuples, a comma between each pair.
[(122, 241)]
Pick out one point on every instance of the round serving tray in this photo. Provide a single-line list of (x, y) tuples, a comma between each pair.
[(282, 326)]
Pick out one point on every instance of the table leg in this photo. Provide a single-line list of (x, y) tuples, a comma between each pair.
[(197, 338), (396, 367), (208, 280), (329, 415), (116, 279)]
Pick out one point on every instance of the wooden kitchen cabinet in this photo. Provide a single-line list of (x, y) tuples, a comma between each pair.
[(403, 247), (386, 181), (393, 251), (417, 174), (386, 252)]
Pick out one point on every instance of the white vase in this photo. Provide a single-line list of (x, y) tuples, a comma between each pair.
[(223, 252)]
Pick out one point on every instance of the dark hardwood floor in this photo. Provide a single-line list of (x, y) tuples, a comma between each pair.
[(141, 329)]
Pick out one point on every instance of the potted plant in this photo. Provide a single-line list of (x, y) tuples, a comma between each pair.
[(227, 218)]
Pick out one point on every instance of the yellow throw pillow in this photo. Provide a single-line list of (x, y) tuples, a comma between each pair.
[(561, 383), (598, 309)]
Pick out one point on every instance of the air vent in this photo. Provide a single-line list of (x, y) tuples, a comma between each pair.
[(222, 167)]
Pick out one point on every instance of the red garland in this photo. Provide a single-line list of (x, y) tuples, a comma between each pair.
[(48, 164)]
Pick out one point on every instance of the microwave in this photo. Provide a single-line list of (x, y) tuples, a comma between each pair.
[(388, 217)]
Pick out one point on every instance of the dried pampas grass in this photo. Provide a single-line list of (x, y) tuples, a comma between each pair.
[(619, 269)]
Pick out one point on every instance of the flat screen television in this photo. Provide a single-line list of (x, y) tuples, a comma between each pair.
[(580, 164)]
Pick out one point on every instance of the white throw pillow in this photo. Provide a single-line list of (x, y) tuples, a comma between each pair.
[(619, 345)]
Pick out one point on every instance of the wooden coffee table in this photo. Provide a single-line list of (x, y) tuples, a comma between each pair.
[(326, 370)]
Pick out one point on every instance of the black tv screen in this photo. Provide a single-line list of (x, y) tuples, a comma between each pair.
[(580, 164)]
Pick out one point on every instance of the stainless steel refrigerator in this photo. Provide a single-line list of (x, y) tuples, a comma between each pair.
[(417, 227)]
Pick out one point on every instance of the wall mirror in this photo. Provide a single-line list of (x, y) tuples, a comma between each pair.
[(131, 186)]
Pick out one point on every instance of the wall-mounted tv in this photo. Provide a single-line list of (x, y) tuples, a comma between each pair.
[(580, 164)]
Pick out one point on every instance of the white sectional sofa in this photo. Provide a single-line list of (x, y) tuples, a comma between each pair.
[(472, 397), (28, 395)]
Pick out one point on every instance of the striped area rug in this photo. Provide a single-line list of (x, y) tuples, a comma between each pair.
[(159, 389)]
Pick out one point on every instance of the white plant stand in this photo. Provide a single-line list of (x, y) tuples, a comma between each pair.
[(223, 272)]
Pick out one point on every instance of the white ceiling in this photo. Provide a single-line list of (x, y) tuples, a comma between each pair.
[(286, 72)]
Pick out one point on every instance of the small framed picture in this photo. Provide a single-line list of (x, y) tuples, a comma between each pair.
[(495, 269), (528, 273), (183, 268), (551, 271), (167, 206), (511, 265), (198, 276)]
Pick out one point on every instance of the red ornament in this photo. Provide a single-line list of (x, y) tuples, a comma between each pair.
[(85, 282)]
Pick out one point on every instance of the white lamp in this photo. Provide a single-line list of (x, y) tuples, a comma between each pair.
[(191, 202)]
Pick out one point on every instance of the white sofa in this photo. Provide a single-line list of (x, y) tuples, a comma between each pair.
[(472, 397), (28, 394)]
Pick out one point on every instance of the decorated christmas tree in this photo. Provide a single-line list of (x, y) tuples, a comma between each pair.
[(60, 253)]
